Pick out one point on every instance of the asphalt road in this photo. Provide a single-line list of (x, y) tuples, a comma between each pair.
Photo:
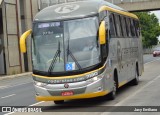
[(20, 92)]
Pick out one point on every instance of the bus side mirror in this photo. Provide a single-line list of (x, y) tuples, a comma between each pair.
[(102, 33), (23, 41)]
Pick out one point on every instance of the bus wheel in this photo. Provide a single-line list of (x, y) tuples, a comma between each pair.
[(135, 81), (112, 95), (59, 102)]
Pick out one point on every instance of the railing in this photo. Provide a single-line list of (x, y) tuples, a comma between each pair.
[(45, 3), (125, 1)]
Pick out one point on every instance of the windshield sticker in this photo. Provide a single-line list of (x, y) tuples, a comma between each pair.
[(67, 8), (70, 66)]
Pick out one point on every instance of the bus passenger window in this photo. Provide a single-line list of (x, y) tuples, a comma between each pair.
[(112, 26), (132, 28), (118, 28), (123, 22), (137, 28), (128, 27), (120, 20)]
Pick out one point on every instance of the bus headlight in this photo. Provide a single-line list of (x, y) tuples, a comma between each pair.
[(94, 79), (40, 84)]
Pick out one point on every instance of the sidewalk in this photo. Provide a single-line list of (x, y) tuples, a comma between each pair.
[(16, 75)]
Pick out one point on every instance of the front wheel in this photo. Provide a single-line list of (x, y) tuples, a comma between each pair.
[(112, 95), (59, 102)]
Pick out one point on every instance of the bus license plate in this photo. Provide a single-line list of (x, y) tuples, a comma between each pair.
[(67, 93)]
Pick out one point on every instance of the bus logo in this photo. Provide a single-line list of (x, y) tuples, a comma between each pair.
[(66, 85), (67, 8)]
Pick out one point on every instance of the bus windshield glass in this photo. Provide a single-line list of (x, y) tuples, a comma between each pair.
[(66, 45)]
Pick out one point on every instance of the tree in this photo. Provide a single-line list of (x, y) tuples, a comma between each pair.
[(150, 28)]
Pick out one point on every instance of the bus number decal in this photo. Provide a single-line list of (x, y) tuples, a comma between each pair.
[(92, 75)]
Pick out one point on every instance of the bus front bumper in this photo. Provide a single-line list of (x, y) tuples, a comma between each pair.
[(80, 96), (81, 90)]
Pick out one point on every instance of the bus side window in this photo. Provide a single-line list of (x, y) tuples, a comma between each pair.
[(123, 22), (137, 28), (128, 27), (118, 27), (112, 26), (132, 28)]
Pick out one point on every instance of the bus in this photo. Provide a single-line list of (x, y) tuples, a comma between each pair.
[(84, 49)]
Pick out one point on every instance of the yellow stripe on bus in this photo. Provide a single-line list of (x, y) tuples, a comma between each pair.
[(103, 8), (122, 83), (80, 96), (66, 77)]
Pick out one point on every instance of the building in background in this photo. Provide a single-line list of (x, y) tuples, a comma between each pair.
[(15, 17)]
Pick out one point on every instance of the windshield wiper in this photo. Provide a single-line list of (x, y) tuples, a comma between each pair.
[(54, 60), (72, 56)]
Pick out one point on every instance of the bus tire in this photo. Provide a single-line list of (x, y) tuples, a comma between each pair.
[(112, 95), (59, 102), (135, 81)]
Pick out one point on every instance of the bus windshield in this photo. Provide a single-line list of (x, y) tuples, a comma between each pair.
[(66, 45)]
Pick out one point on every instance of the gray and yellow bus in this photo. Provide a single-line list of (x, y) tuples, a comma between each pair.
[(84, 49)]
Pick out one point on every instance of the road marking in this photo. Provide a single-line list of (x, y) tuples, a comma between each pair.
[(152, 61), (5, 87), (127, 98), (37, 103), (8, 96), (149, 83), (9, 113)]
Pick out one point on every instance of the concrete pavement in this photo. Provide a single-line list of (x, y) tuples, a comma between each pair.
[(14, 76)]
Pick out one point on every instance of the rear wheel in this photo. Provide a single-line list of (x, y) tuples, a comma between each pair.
[(59, 102), (135, 81)]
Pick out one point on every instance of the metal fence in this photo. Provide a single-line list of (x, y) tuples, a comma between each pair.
[(45, 3)]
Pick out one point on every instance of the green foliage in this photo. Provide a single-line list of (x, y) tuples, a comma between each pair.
[(150, 28)]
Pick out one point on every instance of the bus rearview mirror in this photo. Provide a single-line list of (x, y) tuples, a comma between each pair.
[(23, 41), (102, 33)]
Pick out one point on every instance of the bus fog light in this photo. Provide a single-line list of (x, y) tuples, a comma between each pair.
[(37, 94), (100, 88), (40, 84)]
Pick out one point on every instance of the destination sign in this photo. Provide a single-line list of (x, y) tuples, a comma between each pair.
[(47, 25)]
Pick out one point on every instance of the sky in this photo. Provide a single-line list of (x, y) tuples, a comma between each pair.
[(157, 13)]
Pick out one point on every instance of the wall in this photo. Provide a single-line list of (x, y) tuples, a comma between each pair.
[(16, 20)]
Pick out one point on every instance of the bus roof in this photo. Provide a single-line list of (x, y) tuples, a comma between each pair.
[(78, 9)]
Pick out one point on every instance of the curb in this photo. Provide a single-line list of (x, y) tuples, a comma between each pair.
[(15, 76)]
